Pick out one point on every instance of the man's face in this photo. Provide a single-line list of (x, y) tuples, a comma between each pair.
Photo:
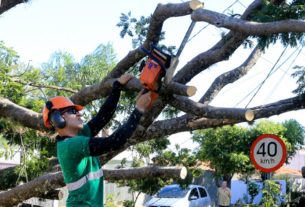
[(73, 118), (224, 184)]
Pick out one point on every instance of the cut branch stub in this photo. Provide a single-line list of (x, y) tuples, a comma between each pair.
[(179, 89), (249, 115), (191, 90), (195, 4)]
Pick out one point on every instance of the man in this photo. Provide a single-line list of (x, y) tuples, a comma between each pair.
[(78, 148), (224, 195)]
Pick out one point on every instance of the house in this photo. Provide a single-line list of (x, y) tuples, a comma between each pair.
[(295, 164)]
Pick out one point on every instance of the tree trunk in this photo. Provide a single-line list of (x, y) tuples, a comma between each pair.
[(136, 199)]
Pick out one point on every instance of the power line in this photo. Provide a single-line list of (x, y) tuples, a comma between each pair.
[(242, 4), (261, 85), (272, 71), (279, 67), (245, 79), (258, 86), (284, 74)]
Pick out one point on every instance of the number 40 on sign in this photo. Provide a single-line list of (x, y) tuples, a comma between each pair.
[(268, 152)]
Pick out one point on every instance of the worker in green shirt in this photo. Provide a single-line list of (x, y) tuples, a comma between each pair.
[(78, 148)]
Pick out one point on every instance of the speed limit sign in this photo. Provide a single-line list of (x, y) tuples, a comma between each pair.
[(268, 152)]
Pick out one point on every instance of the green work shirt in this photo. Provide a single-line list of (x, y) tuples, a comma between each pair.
[(81, 171)]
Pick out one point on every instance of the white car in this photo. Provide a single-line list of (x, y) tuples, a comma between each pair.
[(175, 196)]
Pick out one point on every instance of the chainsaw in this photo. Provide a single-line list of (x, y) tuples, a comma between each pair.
[(154, 70), (160, 66)]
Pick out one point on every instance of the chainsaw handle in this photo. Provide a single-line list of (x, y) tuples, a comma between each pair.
[(153, 96)]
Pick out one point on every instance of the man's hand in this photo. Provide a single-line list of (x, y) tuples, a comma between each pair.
[(125, 78), (143, 101)]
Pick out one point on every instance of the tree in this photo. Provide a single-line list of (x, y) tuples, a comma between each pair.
[(257, 23), (227, 148)]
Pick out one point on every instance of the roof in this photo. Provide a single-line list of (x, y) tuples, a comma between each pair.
[(284, 170), (204, 166)]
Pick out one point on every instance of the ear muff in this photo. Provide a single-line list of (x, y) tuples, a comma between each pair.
[(57, 120)]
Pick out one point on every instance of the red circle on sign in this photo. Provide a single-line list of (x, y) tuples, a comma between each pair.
[(283, 158)]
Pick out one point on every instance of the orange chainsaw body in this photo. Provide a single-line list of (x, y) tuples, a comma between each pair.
[(153, 71), (151, 74)]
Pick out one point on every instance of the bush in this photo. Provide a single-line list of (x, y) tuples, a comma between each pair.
[(128, 203)]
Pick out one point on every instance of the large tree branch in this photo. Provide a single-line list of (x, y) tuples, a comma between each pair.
[(8, 4), (231, 76), (204, 110), (183, 123), (248, 27), (52, 181), (32, 119), (26, 117), (188, 122), (279, 107), (103, 89), (207, 111), (205, 117)]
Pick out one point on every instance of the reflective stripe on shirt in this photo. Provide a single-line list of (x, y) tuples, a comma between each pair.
[(90, 176)]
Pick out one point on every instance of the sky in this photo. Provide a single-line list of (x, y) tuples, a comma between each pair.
[(41, 27)]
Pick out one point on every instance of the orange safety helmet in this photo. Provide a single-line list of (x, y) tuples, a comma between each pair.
[(57, 103)]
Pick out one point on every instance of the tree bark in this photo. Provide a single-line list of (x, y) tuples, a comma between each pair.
[(248, 27), (32, 119), (5, 5), (231, 76), (51, 181), (26, 117)]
